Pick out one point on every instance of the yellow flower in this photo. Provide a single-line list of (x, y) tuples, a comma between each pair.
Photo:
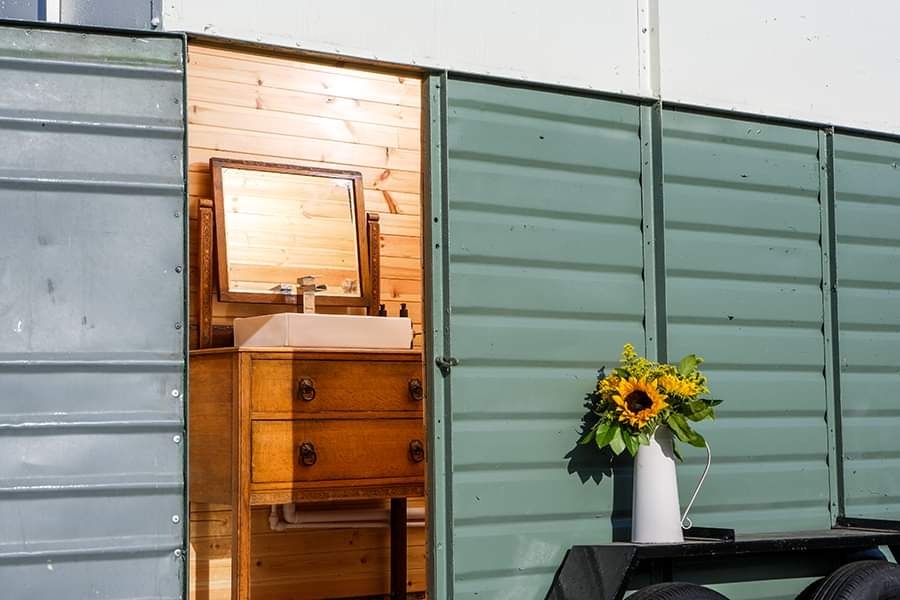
[(679, 387), (639, 401), (608, 384)]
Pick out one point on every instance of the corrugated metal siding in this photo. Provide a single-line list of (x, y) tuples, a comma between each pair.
[(545, 261), (867, 224), (744, 271), (132, 14), (91, 315), (19, 9)]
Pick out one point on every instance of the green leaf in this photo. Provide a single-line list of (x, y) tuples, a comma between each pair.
[(689, 364), (644, 438), (711, 402), (589, 436), (631, 442), (622, 373), (604, 434), (676, 452), (617, 444), (683, 431), (697, 410)]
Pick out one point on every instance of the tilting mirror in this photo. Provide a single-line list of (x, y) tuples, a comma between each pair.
[(276, 224)]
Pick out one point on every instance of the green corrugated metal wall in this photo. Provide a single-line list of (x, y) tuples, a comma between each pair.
[(743, 289), (867, 219), (545, 262), (553, 244)]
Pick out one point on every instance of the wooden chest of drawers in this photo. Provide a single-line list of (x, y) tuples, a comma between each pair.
[(285, 425)]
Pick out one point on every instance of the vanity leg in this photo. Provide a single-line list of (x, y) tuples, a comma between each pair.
[(398, 548), (240, 549), (240, 556)]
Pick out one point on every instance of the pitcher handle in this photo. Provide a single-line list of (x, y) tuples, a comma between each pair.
[(686, 523)]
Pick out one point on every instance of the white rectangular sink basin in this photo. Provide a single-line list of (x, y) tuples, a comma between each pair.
[(307, 330)]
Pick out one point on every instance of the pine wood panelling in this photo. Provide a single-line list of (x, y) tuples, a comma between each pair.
[(300, 564), (264, 107), (373, 178), (287, 74)]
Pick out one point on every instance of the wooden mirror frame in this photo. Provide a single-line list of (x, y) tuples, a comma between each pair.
[(366, 278), (215, 336)]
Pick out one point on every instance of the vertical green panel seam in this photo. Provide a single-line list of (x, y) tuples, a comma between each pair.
[(437, 340), (830, 322), (653, 230)]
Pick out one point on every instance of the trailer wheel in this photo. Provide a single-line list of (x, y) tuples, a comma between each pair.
[(810, 590), (676, 591), (863, 580)]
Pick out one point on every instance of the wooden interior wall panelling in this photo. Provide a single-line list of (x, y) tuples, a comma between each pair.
[(375, 178), (293, 565), (270, 108)]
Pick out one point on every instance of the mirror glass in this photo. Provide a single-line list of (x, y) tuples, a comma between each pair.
[(281, 226)]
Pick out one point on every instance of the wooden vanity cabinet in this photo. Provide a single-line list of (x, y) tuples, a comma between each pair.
[(272, 426)]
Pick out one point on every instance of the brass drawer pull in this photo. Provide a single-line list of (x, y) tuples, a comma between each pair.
[(416, 451), (307, 389), (416, 391), (308, 454)]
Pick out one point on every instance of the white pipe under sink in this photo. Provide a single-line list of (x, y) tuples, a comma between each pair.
[(291, 518)]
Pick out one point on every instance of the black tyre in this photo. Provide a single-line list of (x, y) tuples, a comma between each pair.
[(676, 591), (863, 580), (810, 590)]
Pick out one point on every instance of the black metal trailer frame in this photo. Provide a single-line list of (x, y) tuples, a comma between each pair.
[(603, 572)]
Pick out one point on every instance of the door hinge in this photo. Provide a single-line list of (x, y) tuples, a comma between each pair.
[(445, 363)]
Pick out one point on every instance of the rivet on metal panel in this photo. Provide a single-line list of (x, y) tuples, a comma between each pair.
[(176, 439), (178, 269), (176, 519), (178, 553), (154, 22), (175, 393), (177, 325), (177, 214)]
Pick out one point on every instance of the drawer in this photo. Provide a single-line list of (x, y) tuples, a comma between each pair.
[(312, 386), (340, 449)]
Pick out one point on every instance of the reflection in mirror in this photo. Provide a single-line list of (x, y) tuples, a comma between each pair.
[(283, 223)]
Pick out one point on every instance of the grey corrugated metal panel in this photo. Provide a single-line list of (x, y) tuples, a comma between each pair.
[(86, 454), (19, 9), (75, 277), (128, 14), (90, 520), (867, 216), (744, 272), (119, 394), (92, 315), (156, 570), (545, 280), (36, 43)]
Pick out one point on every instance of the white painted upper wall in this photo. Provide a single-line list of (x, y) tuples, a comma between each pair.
[(581, 43), (828, 61)]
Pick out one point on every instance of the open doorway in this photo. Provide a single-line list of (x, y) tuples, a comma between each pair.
[(252, 105)]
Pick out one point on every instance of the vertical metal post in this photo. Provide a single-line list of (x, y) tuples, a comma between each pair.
[(437, 339), (830, 323), (653, 231)]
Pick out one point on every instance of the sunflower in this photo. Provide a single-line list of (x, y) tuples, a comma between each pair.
[(639, 401), (680, 387)]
